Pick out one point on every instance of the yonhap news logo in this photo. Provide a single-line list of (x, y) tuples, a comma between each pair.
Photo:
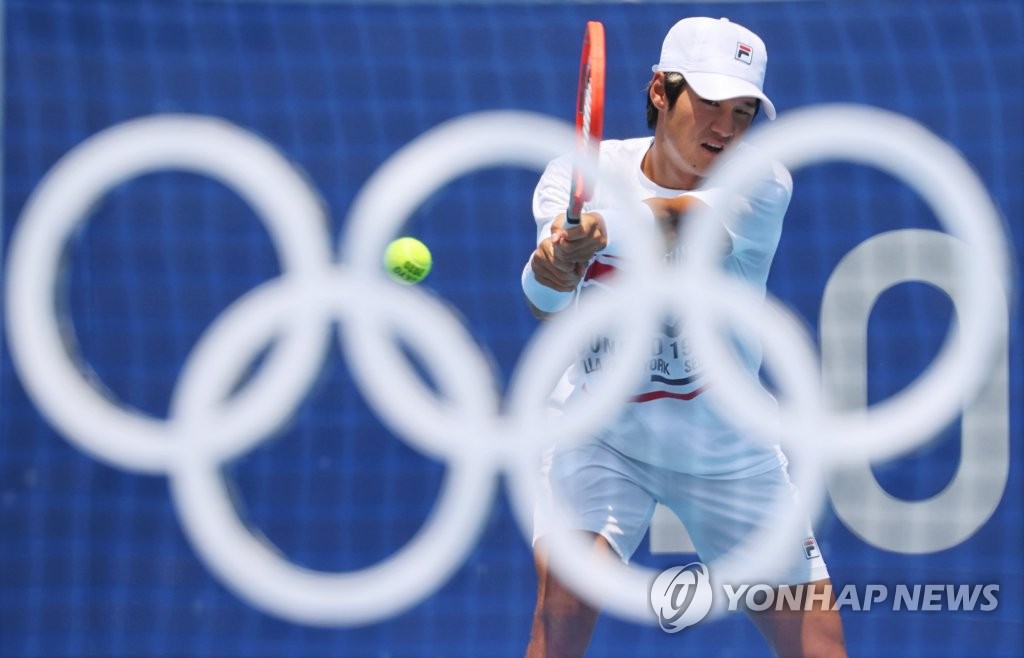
[(681, 596), (931, 597)]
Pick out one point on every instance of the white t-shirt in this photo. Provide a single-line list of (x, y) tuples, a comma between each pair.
[(670, 423)]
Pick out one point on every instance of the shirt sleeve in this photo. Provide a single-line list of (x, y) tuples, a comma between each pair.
[(754, 219)]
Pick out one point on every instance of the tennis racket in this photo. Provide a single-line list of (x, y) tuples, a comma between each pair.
[(589, 119)]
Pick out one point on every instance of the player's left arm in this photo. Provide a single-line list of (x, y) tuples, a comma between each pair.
[(750, 225), (755, 222)]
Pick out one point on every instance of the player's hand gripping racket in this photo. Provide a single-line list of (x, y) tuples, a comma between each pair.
[(589, 119)]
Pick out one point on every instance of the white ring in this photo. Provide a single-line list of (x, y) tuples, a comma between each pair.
[(248, 165)]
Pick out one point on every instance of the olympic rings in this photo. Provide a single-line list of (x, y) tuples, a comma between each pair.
[(465, 426)]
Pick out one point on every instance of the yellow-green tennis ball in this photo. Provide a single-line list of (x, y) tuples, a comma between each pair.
[(407, 260)]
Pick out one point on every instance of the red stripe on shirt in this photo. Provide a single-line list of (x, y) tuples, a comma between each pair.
[(598, 270), (658, 395)]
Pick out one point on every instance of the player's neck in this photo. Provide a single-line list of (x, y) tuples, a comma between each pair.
[(661, 171)]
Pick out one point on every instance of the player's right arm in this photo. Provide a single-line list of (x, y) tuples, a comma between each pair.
[(550, 278)]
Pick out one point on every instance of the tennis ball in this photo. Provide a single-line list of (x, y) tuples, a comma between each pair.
[(407, 260)]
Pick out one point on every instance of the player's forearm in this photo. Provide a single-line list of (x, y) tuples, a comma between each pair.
[(537, 313), (544, 295)]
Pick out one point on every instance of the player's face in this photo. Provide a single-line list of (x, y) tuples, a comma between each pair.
[(696, 131)]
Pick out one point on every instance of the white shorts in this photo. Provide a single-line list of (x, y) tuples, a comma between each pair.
[(613, 495)]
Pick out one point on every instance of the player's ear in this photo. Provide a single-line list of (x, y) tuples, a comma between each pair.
[(656, 91)]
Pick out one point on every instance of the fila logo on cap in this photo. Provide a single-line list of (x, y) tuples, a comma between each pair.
[(744, 53)]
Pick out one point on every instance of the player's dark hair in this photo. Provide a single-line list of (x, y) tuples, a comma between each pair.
[(674, 84)]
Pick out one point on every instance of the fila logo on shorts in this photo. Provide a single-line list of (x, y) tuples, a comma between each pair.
[(744, 53), (811, 548)]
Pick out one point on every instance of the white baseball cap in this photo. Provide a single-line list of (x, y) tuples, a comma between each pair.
[(719, 59)]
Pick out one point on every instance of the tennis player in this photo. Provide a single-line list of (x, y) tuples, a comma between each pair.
[(668, 446)]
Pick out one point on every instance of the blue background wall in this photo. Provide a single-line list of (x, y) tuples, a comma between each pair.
[(93, 560)]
